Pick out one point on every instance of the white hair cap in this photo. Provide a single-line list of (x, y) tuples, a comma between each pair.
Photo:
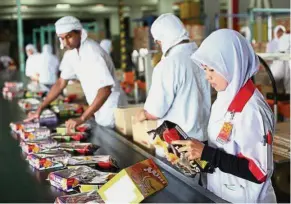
[(67, 24)]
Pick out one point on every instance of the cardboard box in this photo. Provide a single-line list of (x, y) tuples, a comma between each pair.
[(123, 118), (140, 134), (134, 184)]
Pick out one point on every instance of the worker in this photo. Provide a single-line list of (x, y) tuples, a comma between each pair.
[(32, 61), (246, 32), (93, 67), (106, 45), (241, 123), (6, 61), (281, 68), (179, 92), (48, 67), (272, 46)]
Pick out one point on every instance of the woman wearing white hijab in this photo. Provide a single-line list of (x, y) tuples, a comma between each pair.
[(280, 68), (48, 67), (273, 45), (179, 92), (241, 123)]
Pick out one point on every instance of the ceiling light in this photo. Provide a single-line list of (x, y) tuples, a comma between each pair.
[(63, 6), (24, 7), (99, 5)]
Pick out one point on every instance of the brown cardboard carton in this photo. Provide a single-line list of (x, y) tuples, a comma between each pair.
[(134, 184), (140, 135), (123, 118)]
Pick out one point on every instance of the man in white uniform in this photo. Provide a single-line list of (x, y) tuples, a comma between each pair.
[(179, 92), (93, 67), (48, 67), (32, 61)]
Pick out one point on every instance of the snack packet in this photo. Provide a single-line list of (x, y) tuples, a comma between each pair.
[(162, 138)]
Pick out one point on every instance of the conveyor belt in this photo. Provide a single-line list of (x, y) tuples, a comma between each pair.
[(20, 183)]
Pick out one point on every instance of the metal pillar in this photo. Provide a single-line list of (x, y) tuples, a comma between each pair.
[(270, 29), (20, 37), (34, 37), (122, 35), (42, 37), (49, 35)]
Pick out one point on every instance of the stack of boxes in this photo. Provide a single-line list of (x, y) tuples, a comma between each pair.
[(281, 145), (141, 38)]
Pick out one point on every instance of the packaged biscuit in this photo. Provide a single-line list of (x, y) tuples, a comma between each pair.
[(34, 94), (88, 197), (48, 118), (18, 85), (48, 159), (63, 99), (24, 126), (162, 137), (77, 136), (29, 104), (61, 129), (68, 110), (35, 134), (78, 148), (70, 178), (101, 162), (37, 145)]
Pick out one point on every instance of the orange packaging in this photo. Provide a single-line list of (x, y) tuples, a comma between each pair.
[(134, 184)]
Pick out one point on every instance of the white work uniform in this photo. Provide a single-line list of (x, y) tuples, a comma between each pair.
[(273, 45), (280, 68), (179, 92), (48, 67), (94, 68), (249, 125), (32, 64)]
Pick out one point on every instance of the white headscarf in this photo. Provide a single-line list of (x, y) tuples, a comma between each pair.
[(31, 47), (247, 32), (277, 28), (284, 43), (47, 49), (67, 24), (231, 55), (106, 45), (169, 30)]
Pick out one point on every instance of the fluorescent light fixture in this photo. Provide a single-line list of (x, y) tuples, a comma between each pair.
[(63, 6), (99, 5), (24, 7), (175, 7)]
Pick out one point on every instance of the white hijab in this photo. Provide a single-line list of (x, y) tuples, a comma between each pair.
[(231, 55), (276, 29), (68, 24), (169, 29), (246, 30), (31, 47)]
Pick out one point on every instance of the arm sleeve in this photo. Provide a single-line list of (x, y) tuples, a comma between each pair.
[(253, 161), (162, 91), (228, 163), (67, 70)]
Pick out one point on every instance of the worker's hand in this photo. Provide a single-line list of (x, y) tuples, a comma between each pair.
[(73, 123), (33, 115), (193, 148), (140, 116)]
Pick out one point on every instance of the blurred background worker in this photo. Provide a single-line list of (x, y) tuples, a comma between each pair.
[(106, 45), (6, 62), (246, 32), (273, 45), (48, 67), (32, 61), (280, 68)]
